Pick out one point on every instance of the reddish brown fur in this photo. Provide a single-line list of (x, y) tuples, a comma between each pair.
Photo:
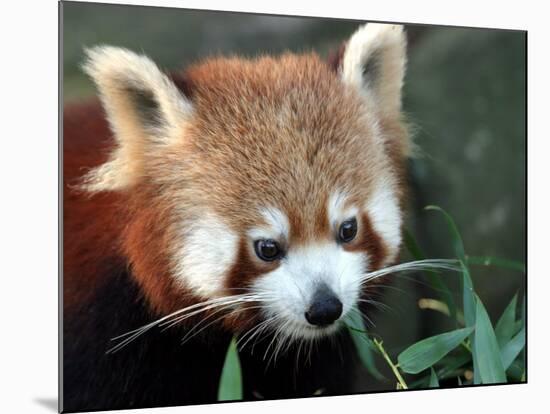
[(292, 109), (319, 141), (370, 242), (334, 59), (91, 225), (106, 232)]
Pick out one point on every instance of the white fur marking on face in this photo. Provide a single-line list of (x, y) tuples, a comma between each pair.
[(385, 215), (294, 282), (336, 208), (209, 248), (277, 225)]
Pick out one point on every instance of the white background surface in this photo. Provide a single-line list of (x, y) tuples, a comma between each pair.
[(29, 177)]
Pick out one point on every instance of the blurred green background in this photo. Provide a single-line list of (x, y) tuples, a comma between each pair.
[(464, 96)]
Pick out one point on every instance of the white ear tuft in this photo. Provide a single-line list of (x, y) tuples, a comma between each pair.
[(374, 63), (143, 107)]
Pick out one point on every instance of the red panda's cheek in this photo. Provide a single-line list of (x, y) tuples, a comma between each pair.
[(384, 220), (241, 277), (204, 254), (377, 224), (368, 242)]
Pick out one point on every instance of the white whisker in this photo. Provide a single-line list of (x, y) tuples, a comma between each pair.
[(194, 332), (167, 320), (427, 264), (252, 332), (225, 304)]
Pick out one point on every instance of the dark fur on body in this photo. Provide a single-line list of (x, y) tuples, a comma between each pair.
[(157, 370)]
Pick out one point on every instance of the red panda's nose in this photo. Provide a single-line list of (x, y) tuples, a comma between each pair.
[(325, 307)]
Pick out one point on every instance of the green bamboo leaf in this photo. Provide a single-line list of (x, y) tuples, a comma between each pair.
[(469, 305), (457, 239), (487, 352), (450, 364), (422, 382), (412, 246), (448, 367), (363, 344), (231, 387), (496, 261), (515, 370), (433, 379), (425, 353), (517, 326), (511, 350), (505, 327), (468, 298), (475, 366), (434, 278), (469, 302)]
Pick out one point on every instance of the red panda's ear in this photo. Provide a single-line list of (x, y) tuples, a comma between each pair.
[(143, 106), (373, 62)]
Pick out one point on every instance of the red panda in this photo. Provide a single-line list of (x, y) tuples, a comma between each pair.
[(244, 198)]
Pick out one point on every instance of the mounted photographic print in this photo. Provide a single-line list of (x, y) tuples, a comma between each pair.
[(260, 207)]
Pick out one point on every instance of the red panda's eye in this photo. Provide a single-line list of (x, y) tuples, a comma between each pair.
[(348, 230), (267, 250)]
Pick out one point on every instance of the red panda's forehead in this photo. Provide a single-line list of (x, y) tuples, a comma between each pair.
[(280, 133)]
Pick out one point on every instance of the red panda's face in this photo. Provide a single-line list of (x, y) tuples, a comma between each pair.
[(280, 177)]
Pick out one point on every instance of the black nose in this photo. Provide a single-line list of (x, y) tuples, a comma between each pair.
[(325, 307)]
